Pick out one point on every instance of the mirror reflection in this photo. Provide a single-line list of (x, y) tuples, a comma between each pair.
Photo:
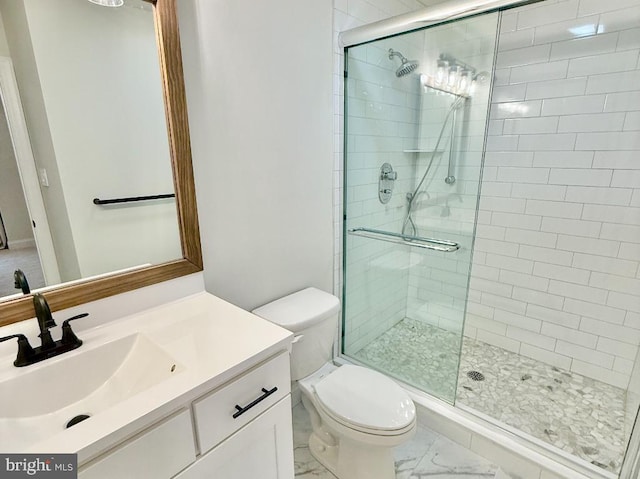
[(84, 121)]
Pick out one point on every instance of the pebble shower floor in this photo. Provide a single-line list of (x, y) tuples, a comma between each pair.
[(579, 415)]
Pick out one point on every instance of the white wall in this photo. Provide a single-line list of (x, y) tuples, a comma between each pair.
[(260, 108), (21, 51), (100, 80), (4, 46), (556, 266)]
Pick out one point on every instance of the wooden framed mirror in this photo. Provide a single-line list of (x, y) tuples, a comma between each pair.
[(66, 296)]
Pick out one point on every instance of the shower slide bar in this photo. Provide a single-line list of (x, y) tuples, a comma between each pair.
[(131, 199), (418, 242)]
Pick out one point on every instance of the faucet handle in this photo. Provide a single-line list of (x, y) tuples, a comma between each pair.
[(68, 336), (25, 351)]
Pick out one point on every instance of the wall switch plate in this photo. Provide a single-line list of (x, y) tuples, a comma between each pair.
[(44, 179)]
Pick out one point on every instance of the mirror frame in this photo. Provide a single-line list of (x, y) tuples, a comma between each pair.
[(170, 56)]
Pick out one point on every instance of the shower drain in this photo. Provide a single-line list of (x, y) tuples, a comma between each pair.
[(475, 375)]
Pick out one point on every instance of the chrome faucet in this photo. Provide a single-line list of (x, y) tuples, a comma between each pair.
[(48, 347)]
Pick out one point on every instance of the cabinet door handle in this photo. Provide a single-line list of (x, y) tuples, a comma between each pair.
[(241, 410)]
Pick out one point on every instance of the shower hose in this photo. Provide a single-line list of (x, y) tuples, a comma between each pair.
[(409, 224)]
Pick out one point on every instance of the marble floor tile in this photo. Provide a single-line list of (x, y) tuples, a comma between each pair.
[(427, 455), (305, 465), (409, 454), (446, 459)]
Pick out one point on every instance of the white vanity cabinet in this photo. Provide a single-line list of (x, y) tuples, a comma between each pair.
[(168, 446), (258, 441), (262, 449), (239, 430)]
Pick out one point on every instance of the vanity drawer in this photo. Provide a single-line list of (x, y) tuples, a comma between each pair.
[(147, 455), (254, 392)]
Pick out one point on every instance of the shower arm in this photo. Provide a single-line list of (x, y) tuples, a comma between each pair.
[(395, 53)]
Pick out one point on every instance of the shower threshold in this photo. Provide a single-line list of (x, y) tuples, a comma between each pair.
[(577, 414)]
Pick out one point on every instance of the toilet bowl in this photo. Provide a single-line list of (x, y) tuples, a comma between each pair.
[(357, 415)]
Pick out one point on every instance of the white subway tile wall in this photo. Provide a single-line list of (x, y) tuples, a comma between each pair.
[(398, 121), (350, 14), (556, 261), (438, 281), (382, 123), (556, 273)]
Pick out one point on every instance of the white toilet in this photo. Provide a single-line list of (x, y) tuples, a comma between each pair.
[(358, 415)]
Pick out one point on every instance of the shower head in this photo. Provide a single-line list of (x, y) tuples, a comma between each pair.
[(406, 67)]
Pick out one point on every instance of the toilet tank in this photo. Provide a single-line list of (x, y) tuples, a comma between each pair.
[(312, 315)]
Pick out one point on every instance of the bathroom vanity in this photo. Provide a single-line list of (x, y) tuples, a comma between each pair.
[(194, 388)]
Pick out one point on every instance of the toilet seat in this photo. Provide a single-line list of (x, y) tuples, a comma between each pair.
[(365, 400)]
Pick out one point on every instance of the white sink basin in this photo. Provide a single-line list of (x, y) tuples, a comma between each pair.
[(38, 403)]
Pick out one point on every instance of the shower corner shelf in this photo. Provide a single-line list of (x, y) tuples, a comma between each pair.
[(416, 241)]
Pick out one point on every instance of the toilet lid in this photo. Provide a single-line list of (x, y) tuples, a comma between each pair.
[(365, 398)]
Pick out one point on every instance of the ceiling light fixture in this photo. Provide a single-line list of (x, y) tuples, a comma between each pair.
[(108, 3)]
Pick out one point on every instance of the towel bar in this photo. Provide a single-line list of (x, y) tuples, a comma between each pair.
[(426, 243)]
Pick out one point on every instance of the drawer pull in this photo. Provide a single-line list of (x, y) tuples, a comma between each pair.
[(242, 410)]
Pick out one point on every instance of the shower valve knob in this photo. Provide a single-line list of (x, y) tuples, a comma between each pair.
[(385, 183)]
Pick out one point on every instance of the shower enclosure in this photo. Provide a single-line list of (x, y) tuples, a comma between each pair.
[(492, 219)]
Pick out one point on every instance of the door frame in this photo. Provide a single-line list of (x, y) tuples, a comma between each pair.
[(10, 97)]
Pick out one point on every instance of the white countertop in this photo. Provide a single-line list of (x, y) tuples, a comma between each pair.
[(211, 340)]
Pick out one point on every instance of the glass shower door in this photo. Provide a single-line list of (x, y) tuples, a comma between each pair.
[(416, 108)]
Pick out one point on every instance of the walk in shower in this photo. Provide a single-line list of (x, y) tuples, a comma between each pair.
[(492, 218)]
